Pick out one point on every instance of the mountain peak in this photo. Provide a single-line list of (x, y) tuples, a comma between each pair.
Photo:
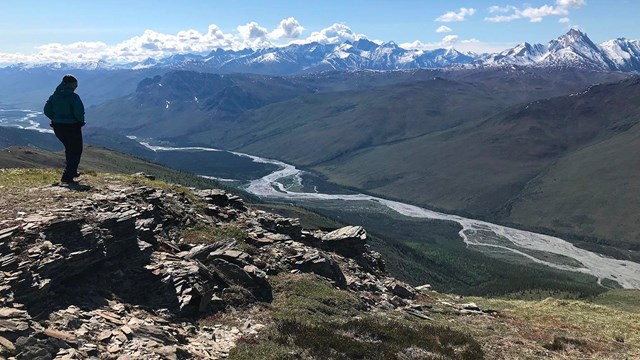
[(575, 32), (364, 44), (573, 36)]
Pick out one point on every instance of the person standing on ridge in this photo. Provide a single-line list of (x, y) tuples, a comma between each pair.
[(66, 112)]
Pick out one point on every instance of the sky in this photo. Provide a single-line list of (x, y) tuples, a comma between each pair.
[(122, 31)]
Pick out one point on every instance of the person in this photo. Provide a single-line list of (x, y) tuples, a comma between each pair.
[(66, 112)]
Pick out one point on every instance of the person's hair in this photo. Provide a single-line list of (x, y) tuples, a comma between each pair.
[(69, 79)]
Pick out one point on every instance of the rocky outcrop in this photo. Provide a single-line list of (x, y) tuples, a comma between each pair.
[(348, 241), (114, 274)]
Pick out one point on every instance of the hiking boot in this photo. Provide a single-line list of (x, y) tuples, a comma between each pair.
[(69, 182)]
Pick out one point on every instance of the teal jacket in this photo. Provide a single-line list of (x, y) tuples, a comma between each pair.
[(64, 107)]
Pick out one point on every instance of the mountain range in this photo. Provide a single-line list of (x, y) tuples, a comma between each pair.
[(573, 49)]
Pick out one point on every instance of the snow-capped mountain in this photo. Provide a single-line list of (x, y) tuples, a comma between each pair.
[(90, 65), (524, 54), (573, 49), (359, 55), (623, 53)]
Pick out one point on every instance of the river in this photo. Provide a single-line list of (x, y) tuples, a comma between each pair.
[(474, 232), (24, 119)]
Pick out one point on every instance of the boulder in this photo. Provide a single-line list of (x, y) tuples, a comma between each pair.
[(401, 289), (249, 277), (348, 241), (373, 262), (220, 198), (281, 225), (322, 264)]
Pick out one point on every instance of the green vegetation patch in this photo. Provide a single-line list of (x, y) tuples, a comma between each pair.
[(101, 160), (620, 299), (575, 319), (370, 337), (313, 320), (300, 296), (208, 234), (26, 178)]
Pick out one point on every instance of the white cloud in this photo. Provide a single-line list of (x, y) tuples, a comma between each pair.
[(288, 28), (252, 31), (534, 14), (155, 44), (452, 16), (564, 20), (443, 29), (499, 9), (335, 33), (253, 36), (571, 3), (449, 40), (446, 41)]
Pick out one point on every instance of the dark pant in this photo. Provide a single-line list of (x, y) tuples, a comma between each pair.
[(71, 138)]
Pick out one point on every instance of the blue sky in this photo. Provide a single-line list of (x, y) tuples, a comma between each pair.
[(115, 29)]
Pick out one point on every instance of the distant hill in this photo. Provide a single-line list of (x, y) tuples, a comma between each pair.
[(563, 165), (236, 110), (10, 136), (321, 127)]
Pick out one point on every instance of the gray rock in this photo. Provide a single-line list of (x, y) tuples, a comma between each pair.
[(254, 281), (322, 264), (348, 241), (220, 198), (401, 289), (281, 225)]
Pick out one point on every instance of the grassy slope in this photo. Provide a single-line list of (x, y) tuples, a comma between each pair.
[(318, 321), (605, 327), (583, 192), (447, 171), (104, 160), (18, 137)]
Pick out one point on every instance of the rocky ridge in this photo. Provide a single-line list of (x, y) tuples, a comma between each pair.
[(115, 274)]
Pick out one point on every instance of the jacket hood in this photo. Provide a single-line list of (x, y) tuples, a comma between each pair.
[(63, 89)]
